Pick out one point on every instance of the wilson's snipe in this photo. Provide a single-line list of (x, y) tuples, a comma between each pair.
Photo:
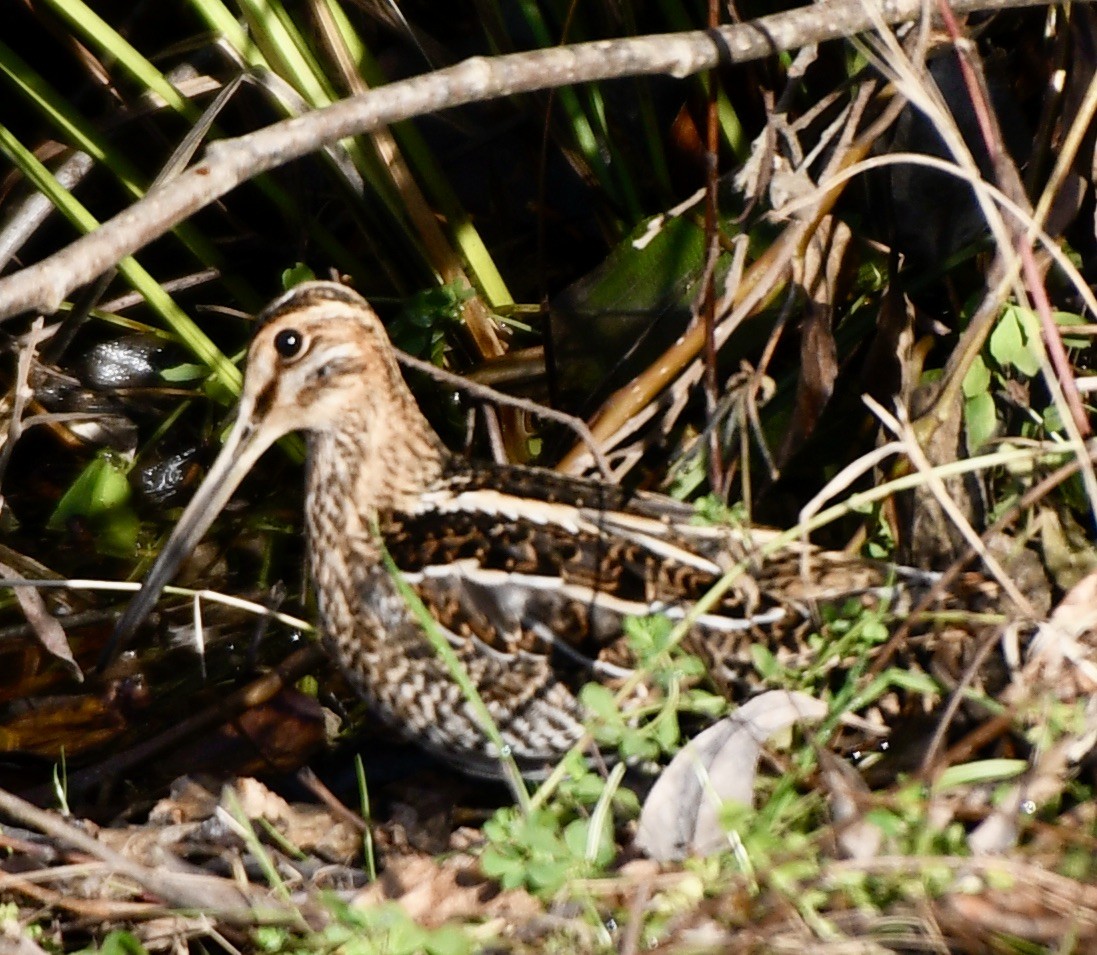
[(528, 573)]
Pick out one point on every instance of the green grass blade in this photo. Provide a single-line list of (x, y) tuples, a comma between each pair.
[(89, 25), (174, 317), (463, 233)]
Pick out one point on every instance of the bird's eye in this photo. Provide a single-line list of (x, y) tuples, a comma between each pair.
[(288, 342)]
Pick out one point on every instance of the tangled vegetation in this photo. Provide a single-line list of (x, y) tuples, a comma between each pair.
[(829, 272)]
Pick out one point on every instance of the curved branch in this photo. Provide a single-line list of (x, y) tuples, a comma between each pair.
[(230, 162)]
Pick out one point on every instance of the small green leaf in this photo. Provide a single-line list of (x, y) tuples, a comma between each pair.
[(1015, 340), (420, 327), (540, 835), (648, 636), (117, 537), (977, 379), (884, 820), (706, 703), (626, 803), (101, 486), (100, 495), (874, 631), (548, 874), (601, 702), (636, 745), (270, 938), (501, 867), (693, 667), (121, 943), (764, 661), (712, 509), (295, 275), (1069, 319), (1053, 420), (577, 835), (494, 830), (666, 731), (1028, 362), (449, 940), (981, 771), (1005, 340), (915, 682), (980, 419), (188, 371), (588, 789)]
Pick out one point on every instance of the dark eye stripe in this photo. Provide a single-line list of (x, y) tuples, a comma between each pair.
[(264, 400), (344, 365)]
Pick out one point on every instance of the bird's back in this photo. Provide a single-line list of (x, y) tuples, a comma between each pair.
[(531, 575)]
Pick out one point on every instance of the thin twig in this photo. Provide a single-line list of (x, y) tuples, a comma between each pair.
[(901, 428), (487, 393), (627, 408), (185, 890), (22, 391), (1033, 495), (987, 643)]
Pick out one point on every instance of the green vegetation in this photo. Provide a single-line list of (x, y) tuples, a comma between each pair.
[(558, 245)]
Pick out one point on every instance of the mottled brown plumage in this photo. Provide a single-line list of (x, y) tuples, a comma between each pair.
[(527, 572)]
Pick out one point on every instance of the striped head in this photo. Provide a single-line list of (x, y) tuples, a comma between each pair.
[(319, 354), (320, 362)]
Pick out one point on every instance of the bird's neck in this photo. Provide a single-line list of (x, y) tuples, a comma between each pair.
[(356, 473), (356, 476)]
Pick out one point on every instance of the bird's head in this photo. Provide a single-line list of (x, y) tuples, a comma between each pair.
[(320, 362)]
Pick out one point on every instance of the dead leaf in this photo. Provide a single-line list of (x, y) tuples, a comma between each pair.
[(312, 829), (433, 892), (999, 831), (49, 632), (187, 801), (847, 794), (681, 814), (1062, 657)]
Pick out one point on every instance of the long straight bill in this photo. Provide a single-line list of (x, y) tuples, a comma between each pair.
[(245, 444)]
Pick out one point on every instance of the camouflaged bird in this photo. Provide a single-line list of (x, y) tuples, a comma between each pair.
[(529, 574)]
